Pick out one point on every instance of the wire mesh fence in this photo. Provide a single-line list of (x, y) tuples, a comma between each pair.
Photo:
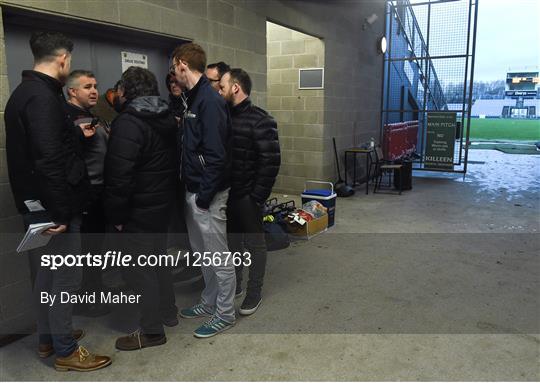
[(428, 69)]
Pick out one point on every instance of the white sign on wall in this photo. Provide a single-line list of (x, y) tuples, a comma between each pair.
[(133, 59)]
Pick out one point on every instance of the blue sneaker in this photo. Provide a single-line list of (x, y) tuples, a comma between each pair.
[(212, 327), (197, 311)]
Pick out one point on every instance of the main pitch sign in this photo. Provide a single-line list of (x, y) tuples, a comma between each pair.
[(441, 133)]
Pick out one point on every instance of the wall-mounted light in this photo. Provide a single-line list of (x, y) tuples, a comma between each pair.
[(382, 45)]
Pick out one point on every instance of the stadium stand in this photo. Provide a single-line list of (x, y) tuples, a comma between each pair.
[(490, 108)]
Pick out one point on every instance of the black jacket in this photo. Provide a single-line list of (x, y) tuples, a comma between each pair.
[(206, 159), (141, 166), (176, 106), (256, 153), (44, 149)]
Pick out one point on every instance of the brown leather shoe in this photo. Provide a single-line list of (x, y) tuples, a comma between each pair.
[(81, 360), (46, 349), (136, 340)]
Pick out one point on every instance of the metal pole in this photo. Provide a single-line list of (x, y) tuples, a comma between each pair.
[(426, 88), (388, 38), (465, 83), (471, 87), (421, 110), (427, 57), (388, 77)]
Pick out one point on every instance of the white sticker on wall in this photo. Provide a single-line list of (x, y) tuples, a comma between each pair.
[(133, 59)]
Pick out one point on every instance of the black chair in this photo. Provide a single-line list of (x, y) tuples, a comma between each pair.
[(384, 167)]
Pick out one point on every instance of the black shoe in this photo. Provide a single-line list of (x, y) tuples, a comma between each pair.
[(136, 340), (250, 304)]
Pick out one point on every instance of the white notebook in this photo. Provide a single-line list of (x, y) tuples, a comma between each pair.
[(33, 238)]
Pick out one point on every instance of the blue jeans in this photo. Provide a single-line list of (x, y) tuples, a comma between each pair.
[(55, 322)]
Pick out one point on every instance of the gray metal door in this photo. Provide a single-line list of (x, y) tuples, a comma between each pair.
[(97, 48), (19, 57)]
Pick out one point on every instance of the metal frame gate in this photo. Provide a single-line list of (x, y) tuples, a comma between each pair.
[(429, 66)]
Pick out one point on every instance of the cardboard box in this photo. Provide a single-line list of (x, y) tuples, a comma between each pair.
[(310, 229)]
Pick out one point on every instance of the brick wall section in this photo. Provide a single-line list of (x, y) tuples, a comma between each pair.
[(353, 68), (233, 31), (299, 113)]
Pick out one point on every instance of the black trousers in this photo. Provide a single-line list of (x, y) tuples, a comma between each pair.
[(245, 232), (153, 283), (93, 230)]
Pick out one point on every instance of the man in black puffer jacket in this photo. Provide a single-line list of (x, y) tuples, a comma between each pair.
[(140, 175), (256, 161)]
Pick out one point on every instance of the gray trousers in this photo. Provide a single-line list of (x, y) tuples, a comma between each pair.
[(207, 230)]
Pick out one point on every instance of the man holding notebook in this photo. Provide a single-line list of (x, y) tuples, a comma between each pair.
[(49, 182)]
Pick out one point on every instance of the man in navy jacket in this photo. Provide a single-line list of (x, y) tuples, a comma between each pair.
[(205, 170)]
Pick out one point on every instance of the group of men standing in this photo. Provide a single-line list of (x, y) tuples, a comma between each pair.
[(209, 146)]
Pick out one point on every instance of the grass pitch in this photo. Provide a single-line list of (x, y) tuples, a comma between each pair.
[(505, 129)]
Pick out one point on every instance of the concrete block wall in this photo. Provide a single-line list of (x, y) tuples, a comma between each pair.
[(353, 70), (233, 31), (298, 112)]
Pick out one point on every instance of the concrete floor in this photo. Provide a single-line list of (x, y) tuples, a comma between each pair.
[(440, 283)]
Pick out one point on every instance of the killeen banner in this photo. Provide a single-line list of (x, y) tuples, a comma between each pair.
[(441, 133)]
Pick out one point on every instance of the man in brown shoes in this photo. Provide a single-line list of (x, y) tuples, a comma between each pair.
[(49, 182)]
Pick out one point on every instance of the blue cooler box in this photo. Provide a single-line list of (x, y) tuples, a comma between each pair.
[(325, 196)]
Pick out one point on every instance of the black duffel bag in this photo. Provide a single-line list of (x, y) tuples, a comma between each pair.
[(276, 234), (276, 237)]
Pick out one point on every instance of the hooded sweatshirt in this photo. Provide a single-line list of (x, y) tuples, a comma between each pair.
[(141, 166)]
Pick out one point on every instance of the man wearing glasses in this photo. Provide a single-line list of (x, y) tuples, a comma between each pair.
[(205, 169), (214, 72)]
